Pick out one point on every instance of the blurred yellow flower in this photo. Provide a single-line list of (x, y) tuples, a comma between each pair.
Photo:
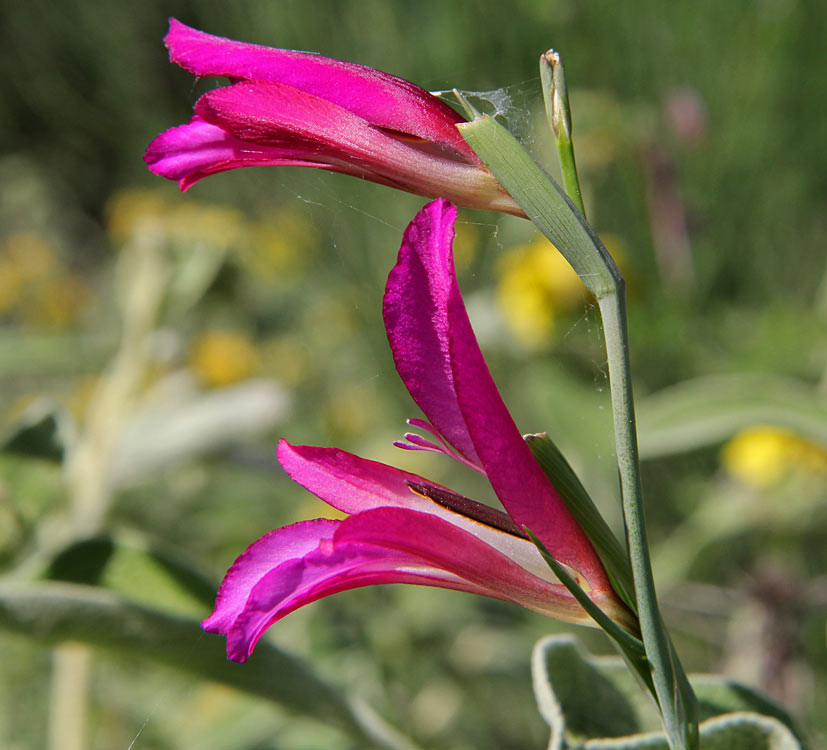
[(466, 244), (128, 208), (34, 283), (279, 247), (223, 357), (287, 358), (26, 258), (182, 221), (761, 455), (11, 288), (535, 282), (32, 255), (55, 303), (214, 226)]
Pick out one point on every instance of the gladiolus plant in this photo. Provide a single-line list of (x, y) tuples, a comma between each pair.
[(549, 550)]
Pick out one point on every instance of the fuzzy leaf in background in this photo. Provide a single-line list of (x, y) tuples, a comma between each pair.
[(594, 703)]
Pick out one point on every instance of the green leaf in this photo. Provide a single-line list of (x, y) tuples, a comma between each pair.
[(611, 552), (709, 410), (544, 202), (594, 702), (138, 568), (52, 613), (631, 647), (718, 695), (43, 431), (568, 684), (177, 421), (26, 352)]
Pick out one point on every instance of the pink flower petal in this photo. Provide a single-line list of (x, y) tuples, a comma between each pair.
[(415, 310), (280, 545), (440, 362), (296, 108), (355, 485), (453, 549), (521, 485), (380, 98), (197, 149), (385, 545), (322, 573), (347, 482), (317, 130)]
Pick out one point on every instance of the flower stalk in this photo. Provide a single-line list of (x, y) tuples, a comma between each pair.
[(556, 215), (290, 108), (671, 687)]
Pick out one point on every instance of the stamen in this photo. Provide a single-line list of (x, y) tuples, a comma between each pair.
[(417, 442), (472, 509)]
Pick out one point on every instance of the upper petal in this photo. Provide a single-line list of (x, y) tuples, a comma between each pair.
[(415, 310), (380, 98), (516, 476), (316, 130), (346, 481)]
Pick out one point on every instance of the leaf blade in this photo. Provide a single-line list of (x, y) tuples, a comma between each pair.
[(56, 612)]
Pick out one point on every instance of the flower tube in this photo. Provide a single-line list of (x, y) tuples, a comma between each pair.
[(287, 108)]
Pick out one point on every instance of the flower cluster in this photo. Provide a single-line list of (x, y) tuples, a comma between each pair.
[(293, 108)]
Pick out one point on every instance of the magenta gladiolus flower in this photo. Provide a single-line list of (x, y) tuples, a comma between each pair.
[(301, 109), (401, 527)]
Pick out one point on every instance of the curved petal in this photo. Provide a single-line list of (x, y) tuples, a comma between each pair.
[(346, 481), (415, 309), (324, 573), (317, 130), (448, 547), (521, 485), (279, 546), (355, 485), (386, 545), (197, 149), (380, 98)]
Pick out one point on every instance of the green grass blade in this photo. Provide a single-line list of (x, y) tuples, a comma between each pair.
[(611, 552)]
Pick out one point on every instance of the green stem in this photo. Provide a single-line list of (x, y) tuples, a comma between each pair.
[(674, 693), (565, 152), (68, 715), (554, 214), (668, 676)]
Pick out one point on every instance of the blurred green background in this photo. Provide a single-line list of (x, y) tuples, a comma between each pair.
[(155, 346)]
